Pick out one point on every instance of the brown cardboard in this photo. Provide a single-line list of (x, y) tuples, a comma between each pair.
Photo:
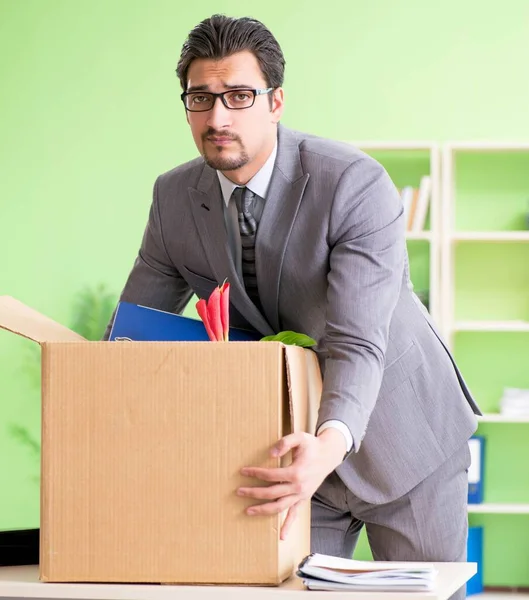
[(142, 446), (26, 322)]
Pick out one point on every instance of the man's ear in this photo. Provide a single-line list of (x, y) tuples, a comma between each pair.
[(278, 103)]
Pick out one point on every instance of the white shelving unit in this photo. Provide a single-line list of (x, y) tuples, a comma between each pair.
[(512, 326), (499, 418), (503, 509), (490, 236), (451, 237), (433, 235)]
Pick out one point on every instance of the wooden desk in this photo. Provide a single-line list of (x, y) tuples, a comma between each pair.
[(22, 582)]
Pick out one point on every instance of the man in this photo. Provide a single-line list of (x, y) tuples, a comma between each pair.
[(311, 236)]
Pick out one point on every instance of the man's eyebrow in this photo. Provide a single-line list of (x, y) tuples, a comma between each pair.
[(228, 86), (197, 88), (239, 86)]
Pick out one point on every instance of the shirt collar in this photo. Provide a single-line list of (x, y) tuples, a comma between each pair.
[(258, 184)]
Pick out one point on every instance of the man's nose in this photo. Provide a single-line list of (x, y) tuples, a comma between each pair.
[(219, 116)]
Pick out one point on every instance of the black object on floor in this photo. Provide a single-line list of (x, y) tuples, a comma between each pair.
[(19, 547)]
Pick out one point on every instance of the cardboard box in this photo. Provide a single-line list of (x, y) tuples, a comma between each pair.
[(142, 445)]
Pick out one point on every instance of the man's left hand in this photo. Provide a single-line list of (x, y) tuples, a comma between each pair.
[(313, 458)]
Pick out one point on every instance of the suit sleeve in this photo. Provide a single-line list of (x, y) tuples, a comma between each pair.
[(154, 281), (366, 264)]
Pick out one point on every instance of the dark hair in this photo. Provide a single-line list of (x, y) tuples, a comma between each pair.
[(220, 36)]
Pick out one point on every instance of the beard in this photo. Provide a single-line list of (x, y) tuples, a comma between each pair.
[(219, 159), (226, 163)]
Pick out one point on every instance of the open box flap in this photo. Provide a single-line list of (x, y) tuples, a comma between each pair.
[(304, 387), (23, 320)]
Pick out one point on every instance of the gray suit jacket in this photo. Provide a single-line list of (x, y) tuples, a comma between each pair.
[(331, 262)]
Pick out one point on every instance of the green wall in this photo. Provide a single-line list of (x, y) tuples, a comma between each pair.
[(90, 115)]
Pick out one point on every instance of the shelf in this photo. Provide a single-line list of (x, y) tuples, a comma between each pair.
[(404, 145), (499, 326), (490, 236), (419, 235), (504, 595), (489, 146), (499, 418), (489, 508)]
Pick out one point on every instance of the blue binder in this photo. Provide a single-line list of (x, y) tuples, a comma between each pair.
[(475, 554), (475, 473), (140, 323)]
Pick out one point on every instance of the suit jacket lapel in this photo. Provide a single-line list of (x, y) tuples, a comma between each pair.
[(280, 210), (206, 204)]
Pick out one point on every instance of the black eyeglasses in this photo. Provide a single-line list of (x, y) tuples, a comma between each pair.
[(232, 99)]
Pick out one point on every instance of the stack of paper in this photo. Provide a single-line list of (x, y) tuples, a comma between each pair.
[(322, 572), (515, 403)]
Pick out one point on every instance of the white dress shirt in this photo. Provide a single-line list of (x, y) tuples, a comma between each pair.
[(259, 185)]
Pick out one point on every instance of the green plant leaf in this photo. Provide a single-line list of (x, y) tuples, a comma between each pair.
[(92, 311), (291, 338), (30, 368), (26, 438)]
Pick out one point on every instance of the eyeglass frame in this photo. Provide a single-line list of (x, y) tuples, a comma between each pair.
[(255, 92)]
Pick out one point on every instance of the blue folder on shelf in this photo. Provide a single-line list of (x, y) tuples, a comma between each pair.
[(140, 323), (476, 445), (475, 554)]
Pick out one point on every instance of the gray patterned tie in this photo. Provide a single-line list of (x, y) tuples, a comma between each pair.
[(244, 199)]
